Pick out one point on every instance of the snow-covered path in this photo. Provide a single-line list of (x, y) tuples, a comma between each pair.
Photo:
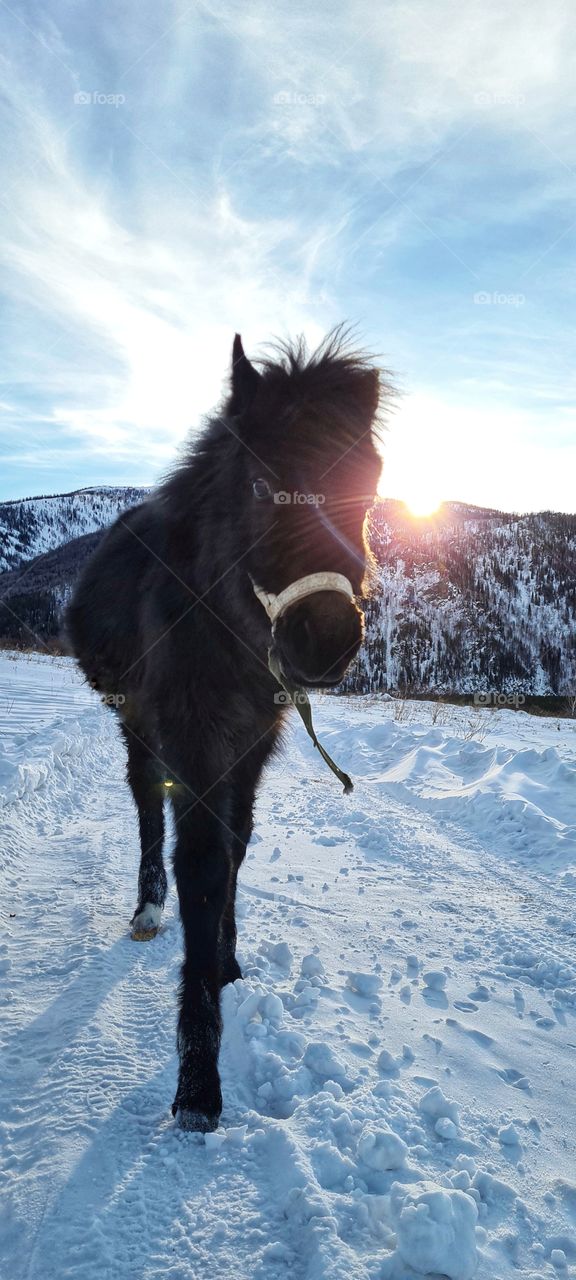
[(407, 1014)]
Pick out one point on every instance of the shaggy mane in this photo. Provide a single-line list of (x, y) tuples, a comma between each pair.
[(332, 375)]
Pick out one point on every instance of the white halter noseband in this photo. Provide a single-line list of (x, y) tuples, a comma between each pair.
[(276, 605)]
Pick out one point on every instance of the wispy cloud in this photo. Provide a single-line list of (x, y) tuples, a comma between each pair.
[(174, 173)]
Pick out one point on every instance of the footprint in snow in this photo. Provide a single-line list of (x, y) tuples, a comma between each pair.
[(479, 1037), (514, 1078)]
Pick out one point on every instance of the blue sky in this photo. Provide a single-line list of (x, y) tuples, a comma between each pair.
[(172, 173)]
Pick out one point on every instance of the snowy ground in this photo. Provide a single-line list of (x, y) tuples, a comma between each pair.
[(398, 1064)]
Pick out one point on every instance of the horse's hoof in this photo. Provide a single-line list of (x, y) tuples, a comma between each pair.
[(146, 923), (143, 935), (231, 972), (195, 1121)]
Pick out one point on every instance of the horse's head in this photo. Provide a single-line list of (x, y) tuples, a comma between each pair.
[(310, 473)]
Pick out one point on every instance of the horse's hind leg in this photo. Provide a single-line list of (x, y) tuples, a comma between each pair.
[(148, 791)]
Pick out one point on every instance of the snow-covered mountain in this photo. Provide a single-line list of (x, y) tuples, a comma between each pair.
[(465, 601), (31, 526), (471, 600)]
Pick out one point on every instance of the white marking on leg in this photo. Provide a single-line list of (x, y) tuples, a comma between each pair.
[(147, 919)]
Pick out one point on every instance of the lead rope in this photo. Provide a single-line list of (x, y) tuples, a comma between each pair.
[(275, 606), (299, 699)]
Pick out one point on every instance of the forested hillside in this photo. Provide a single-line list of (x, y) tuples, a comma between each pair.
[(466, 600)]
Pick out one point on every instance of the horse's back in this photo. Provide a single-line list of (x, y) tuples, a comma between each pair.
[(103, 621)]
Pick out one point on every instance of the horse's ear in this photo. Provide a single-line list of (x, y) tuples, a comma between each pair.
[(245, 379)]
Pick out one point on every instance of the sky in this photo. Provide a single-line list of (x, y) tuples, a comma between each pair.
[(173, 173)]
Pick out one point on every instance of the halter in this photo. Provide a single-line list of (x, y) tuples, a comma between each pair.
[(275, 606)]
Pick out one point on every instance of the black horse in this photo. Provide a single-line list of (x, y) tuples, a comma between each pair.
[(170, 621)]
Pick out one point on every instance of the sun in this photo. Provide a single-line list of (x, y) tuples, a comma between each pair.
[(420, 492), (423, 503)]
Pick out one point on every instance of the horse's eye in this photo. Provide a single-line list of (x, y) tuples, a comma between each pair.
[(261, 489)]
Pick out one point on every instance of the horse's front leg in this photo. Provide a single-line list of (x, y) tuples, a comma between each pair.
[(202, 866)]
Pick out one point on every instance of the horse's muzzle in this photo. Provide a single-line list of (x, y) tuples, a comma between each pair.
[(318, 637)]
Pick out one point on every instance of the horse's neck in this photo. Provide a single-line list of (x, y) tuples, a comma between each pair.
[(207, 529)]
